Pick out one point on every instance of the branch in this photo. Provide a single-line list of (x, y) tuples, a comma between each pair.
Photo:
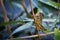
[(25, 8), (5, 16), (32, 36)]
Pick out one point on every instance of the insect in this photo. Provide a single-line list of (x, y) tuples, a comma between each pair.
[(38, 21)]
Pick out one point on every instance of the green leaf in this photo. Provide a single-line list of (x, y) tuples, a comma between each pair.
[(56, 34), (11, 22), (54, 4), (23, 27), (50, 3), (47, 31), (45, 7)]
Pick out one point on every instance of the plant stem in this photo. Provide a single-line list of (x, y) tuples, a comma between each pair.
[(24, 6), (34, 19), (5, 17), (32, 36)]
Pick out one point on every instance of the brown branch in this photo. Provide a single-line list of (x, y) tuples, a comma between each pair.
[(34, 20), (24, 6), (31, 8), (37, 35), (32, 36), (5, 16)]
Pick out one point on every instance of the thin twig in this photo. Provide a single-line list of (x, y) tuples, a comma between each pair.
[(31, 8), (5, 17), (24, 6), (34, 19), (37, 35), (32, 36)]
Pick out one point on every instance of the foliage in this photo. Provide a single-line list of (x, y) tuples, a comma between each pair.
[(20, 17), (56, 34)]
